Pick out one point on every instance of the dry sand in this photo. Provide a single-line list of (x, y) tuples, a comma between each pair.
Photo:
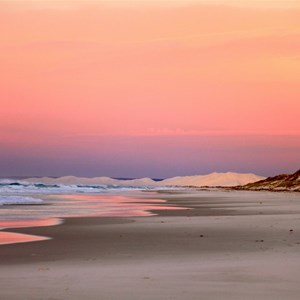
[(241, 247)]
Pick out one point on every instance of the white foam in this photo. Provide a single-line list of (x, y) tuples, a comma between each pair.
[(18, 200)]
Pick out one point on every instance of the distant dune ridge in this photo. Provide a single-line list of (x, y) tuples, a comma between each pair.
[(283, 182), (213, 179), (73, 180)]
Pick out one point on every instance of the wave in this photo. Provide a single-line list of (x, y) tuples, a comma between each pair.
[(25, 187)]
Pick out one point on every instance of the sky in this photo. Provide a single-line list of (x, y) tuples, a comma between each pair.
[(149, 88)]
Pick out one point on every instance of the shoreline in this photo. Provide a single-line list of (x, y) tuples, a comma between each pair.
[(223, 248), (28, 231), (241, 188)]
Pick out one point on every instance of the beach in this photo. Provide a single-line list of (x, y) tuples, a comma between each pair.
[(149, 150), (225, 245)]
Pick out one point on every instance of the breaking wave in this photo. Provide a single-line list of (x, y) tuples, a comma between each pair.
[(23, 187)]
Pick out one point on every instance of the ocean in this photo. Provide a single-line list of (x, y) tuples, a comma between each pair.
[(30, 204)]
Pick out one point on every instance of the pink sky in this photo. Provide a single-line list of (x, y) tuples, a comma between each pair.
[(84, 73)]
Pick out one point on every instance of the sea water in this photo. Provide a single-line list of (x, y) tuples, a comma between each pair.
[(26, 204)]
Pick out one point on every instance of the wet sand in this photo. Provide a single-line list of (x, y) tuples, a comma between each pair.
[(234, 245)]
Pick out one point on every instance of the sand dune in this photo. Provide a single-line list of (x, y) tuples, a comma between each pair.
[(73, 180), (213, 179)]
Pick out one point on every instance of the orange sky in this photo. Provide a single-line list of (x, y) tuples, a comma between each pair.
[(76, 71)]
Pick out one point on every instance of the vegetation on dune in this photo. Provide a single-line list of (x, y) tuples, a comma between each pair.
[(283, 182)]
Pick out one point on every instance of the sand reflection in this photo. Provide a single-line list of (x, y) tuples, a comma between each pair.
[(14, 238), (66, 206)]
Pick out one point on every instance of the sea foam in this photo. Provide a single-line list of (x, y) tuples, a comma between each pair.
[(19, 200)]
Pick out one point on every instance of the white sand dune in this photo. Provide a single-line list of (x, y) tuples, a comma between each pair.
[(73, 180), (213, 179)]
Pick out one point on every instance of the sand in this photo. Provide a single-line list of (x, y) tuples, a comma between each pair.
[(233, 245)]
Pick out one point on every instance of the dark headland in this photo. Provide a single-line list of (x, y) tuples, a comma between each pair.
[(283, 182)]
